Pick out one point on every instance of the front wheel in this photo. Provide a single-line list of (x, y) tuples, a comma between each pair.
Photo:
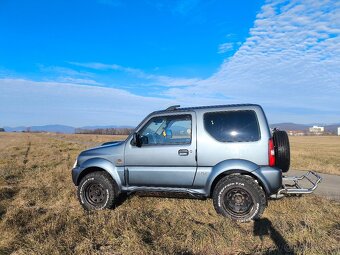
[(239, 197), (97, 191)]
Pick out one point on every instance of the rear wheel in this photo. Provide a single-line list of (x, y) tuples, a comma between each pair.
[(282, 150), (239, 197), (97, 191)]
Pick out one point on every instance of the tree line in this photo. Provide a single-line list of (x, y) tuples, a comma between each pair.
[(105, 131)]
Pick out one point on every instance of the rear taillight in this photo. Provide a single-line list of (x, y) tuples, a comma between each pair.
[(271, 153)]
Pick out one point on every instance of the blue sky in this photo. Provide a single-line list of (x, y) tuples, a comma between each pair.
[(111, 62)]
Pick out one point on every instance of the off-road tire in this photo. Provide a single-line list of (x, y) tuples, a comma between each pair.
[(97, 191), (282, 150), (236, 185)]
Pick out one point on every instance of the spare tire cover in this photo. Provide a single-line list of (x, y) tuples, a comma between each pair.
[(282, 150)]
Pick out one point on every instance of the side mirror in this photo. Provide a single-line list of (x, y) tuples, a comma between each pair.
[(136, 140)]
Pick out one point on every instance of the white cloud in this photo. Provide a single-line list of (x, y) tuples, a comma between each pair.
[(291, 60), (59, 70), (160, 80), (26, 102), (78, 81), (290, 64), (225, 47)]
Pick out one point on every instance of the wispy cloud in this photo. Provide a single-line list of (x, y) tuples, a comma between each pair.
[(69, 103), (291, 60), (78, 81), (225, 47), (290, 63), (63, 71), (160, 80)]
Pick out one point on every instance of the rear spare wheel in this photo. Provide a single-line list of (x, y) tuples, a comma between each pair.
[(282, 150)]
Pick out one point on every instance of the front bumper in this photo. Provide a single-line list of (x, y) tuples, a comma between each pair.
[(75, 174)]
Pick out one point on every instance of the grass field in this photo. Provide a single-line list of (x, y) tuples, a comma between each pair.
[(39, 212), (319, 153)]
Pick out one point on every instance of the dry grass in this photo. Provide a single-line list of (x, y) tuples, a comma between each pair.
[(319, 153), (39, 213)]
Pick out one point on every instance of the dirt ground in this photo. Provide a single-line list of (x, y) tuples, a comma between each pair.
[(40, 214)]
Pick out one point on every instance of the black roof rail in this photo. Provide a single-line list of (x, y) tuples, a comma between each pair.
[(173, 107)]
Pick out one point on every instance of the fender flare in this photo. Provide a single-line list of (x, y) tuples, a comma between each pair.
[(234, 166), (101, 163)]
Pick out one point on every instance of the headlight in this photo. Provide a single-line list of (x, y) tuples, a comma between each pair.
[(75, 163)]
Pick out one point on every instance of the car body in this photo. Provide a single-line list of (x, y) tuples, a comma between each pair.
[(187, 150)]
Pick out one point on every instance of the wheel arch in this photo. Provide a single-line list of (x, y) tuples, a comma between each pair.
[(234, 166), (87, 171), (100, 165), (234, 172)]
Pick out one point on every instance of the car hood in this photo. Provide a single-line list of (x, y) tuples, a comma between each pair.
[(112, 143), (109, 152)]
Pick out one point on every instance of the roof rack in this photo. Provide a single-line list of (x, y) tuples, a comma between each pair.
[(173, 107)]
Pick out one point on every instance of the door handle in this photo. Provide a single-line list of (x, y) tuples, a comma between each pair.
[(183, 152)]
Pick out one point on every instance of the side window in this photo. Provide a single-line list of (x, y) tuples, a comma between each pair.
[(163, 130), (232, 126)]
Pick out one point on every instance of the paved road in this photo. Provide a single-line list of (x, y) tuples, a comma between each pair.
[(329, 186)]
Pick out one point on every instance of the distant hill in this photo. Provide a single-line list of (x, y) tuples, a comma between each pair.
[(332, 128), (56, 128), (46, 128), (289, 126), (292, 126), (110, 126), (70, 130)]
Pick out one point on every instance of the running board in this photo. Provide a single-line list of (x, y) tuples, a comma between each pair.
[(292, 184), (191, 192)]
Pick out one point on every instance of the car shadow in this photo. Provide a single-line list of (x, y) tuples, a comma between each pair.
[(125, 196), (121, 199), (263, 227)]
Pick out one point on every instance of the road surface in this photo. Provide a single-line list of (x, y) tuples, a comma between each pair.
[(329, 186)]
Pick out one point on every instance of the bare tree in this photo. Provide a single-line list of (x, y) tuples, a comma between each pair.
[(105, 131)]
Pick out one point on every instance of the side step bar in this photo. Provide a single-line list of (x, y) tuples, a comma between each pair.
[(190, 192), (292, 184)]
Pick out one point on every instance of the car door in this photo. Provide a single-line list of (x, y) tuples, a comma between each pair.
[(167, 157)]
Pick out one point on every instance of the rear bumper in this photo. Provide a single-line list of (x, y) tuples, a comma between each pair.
[(299, 185), (271, 178)]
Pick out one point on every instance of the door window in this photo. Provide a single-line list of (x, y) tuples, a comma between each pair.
[(162, 130)]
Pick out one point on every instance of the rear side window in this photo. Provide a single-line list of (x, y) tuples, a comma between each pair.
[(232, 126)]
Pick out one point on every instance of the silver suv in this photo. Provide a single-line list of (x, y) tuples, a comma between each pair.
[(227, 153)]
